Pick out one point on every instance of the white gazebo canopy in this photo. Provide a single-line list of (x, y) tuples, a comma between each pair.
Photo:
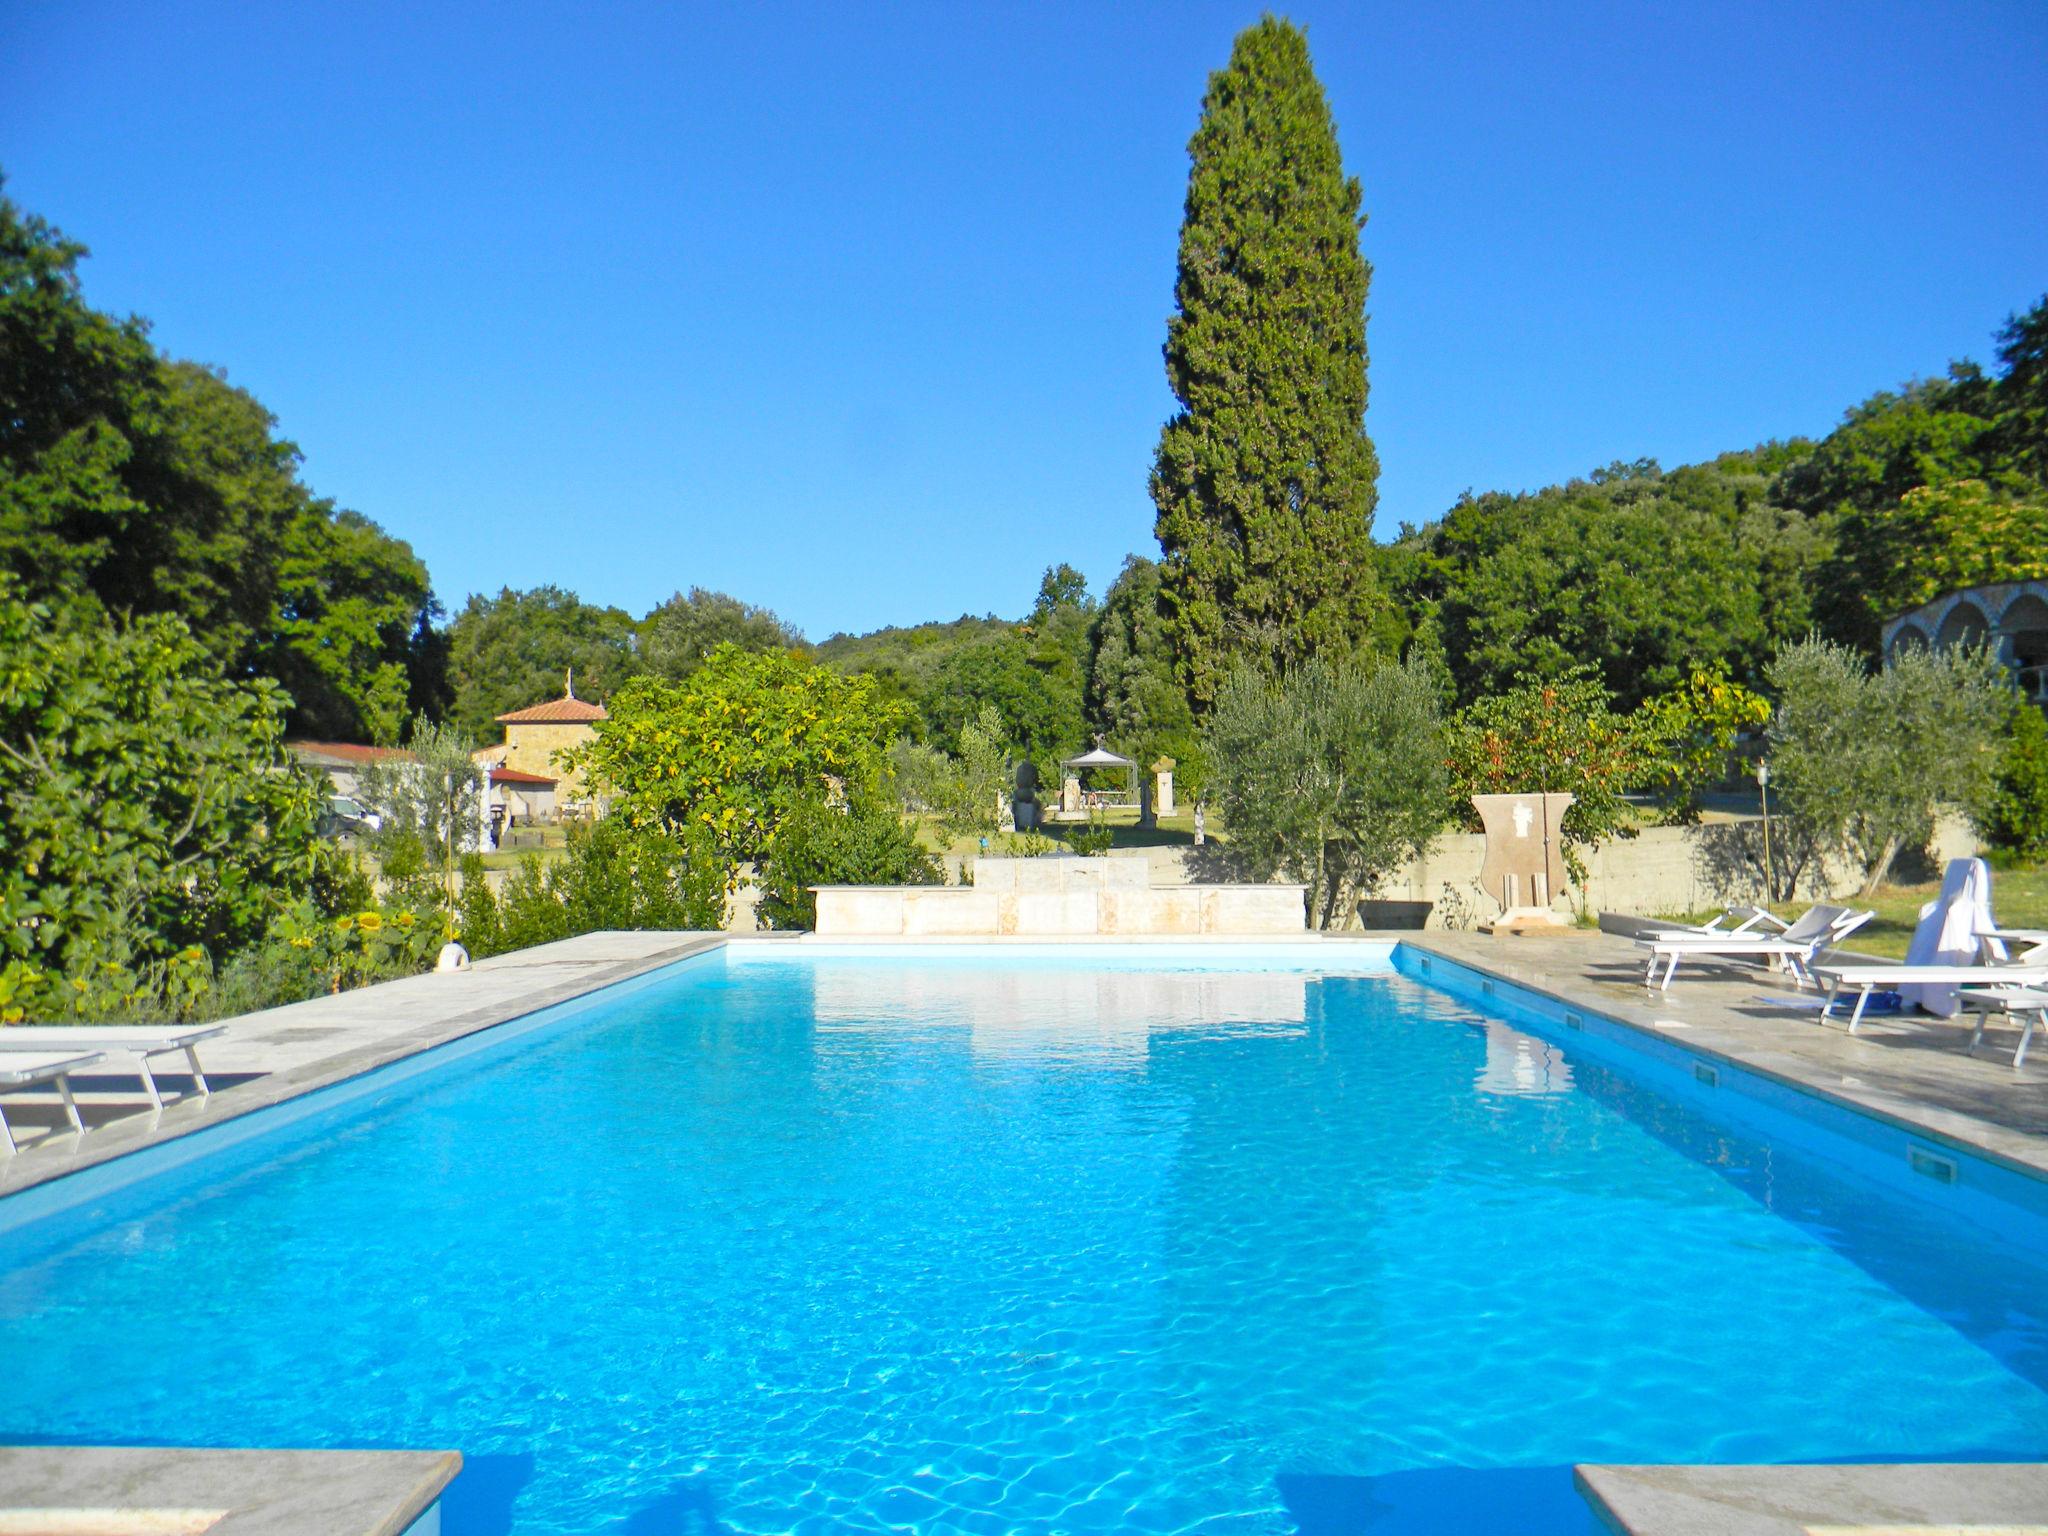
[(1101, 757)]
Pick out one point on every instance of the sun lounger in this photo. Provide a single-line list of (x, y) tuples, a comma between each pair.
[(1863, 980), (1736, 920), (2012, 1002), (1819, 929), (27, 1069), (139, 1043)]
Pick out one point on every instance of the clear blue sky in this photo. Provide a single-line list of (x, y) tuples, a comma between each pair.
[(856, 311)]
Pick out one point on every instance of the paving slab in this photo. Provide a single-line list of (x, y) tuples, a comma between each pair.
[(1948, 1499), (265, 1058), (1910, 1069), (159, 1491)]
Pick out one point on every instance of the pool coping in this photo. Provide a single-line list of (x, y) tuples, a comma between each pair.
[(262, 1492), (1796, 1500)]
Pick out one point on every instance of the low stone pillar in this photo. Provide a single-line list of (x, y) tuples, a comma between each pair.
[(1162, 786)]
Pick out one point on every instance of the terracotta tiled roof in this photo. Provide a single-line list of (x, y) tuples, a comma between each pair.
[(556, 712), (346, 751), (516, 776)]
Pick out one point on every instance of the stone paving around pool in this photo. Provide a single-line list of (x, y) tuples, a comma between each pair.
[(280, 1053), (1909, 1068)]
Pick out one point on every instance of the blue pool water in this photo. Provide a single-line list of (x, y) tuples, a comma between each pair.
[(990, 1245)]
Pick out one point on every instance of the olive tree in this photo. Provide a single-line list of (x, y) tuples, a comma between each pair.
[(1865, 761), (1332, 774)]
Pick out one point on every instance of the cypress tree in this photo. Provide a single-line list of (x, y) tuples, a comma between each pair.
[(1265, 481)]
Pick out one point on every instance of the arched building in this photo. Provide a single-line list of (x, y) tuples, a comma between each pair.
[(2012, 615)]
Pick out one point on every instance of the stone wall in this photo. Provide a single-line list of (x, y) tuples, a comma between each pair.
[(532, 748), (1059, 897)]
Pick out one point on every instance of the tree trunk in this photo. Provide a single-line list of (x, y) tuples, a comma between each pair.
[(1882, 867)]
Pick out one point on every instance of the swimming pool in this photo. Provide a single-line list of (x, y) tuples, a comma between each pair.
[(992, 1241)]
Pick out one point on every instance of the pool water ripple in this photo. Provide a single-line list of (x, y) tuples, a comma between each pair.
[(846, 1245)]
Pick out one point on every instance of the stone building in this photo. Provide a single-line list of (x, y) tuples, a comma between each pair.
[(536, 736), (2012, 615)]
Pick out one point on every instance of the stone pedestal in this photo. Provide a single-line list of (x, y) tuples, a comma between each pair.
[(1162, 786)]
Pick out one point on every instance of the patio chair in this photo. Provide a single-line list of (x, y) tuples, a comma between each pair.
[(28, 1069), (1819, 929), (139, 1043)]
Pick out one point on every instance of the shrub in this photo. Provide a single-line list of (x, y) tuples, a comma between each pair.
[(859, 844), (2015, 819)]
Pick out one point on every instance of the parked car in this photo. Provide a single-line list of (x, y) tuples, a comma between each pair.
[(346, 816)]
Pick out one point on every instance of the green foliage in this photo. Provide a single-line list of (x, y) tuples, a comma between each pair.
[(2015, 818), (515, 649), (1864, 760), (1095, 836), (612, 876), (1331, 774), (1690, 732), (1135, 696), (1934, 539), (1031, 680), (739, 745), (684, 630), (860, 843), (965, 791), (1554, 735), (157, 487), (1636, 573), (429, 799), (149, 803), (1265, 482)]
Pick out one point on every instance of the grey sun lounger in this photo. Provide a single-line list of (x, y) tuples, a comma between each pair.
[(139, 1043), (1819, 929), (27, 1069)]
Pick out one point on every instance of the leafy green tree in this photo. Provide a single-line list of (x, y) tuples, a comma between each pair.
[(1637, 573), (684, 630), (1934, 539), (2015, 818), (977, 783), (158, 487), (1331, 774), (2020, 430), (148, 802), (512, 650), (738, 746), (1865, 760), (1690, 732), (431, 798), (1265, 482), (1135, 698), (1549, 735), (1032, 685)]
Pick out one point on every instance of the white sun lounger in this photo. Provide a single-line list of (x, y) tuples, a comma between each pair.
[(27, 1069), (1820, 928), (1864, 980), (2012, 1002), (139, 1043)]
